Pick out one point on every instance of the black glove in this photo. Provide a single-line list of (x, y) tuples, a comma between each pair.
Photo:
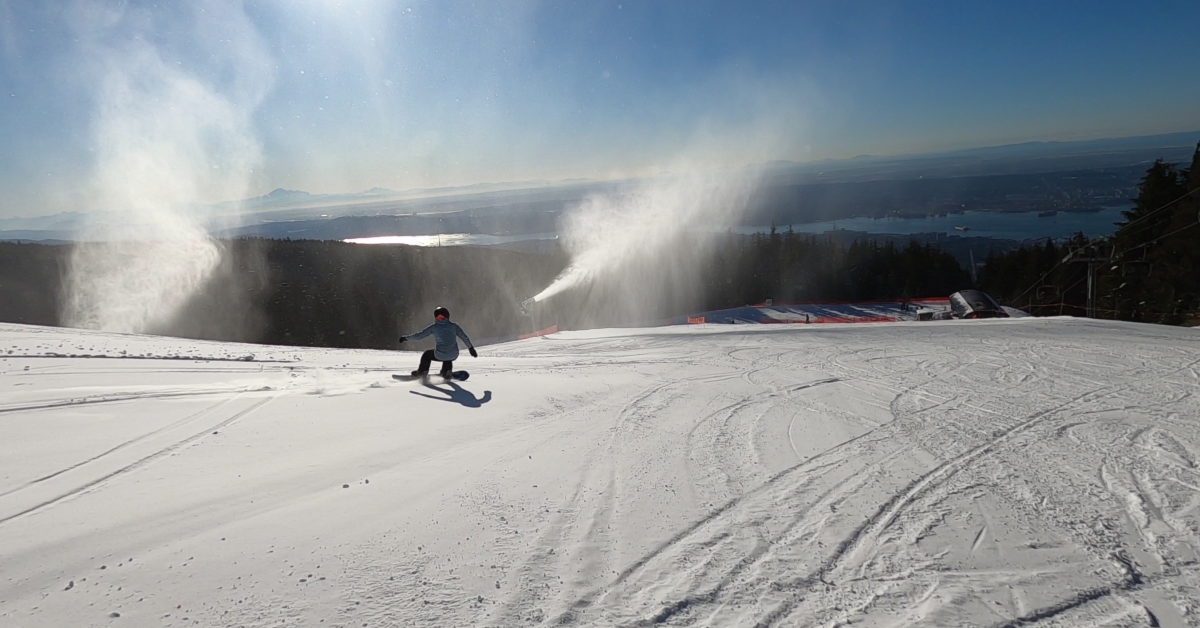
[(474, 353), (403, 340)]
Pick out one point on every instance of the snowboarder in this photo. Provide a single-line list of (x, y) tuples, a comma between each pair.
[(446, 335)]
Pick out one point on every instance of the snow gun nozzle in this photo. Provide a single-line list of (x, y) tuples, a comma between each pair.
[(527, 305)]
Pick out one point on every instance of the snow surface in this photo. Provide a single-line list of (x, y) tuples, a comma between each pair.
[(990, 473)]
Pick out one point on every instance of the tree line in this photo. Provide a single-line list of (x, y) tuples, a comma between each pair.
[(335, 294), (310, 292), (790, 268), (1148, 271)]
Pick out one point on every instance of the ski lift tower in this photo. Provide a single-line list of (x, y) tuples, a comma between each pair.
[(1093, 257)]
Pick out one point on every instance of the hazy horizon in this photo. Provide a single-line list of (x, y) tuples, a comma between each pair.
[(482, 187)]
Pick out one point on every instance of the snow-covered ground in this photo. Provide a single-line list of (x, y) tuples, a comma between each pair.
[(991, 473)]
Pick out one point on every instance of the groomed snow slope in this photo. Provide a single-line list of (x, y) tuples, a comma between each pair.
[(990, 473)]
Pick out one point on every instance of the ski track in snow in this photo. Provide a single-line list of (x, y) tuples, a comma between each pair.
[(1035, 472)]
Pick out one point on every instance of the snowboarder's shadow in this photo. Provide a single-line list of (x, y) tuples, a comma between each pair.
[(457, 394)]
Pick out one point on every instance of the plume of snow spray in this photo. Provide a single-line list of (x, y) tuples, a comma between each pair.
[(607, 233), (164, 138)]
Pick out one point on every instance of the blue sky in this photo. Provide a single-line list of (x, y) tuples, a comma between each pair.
[(336, 96)]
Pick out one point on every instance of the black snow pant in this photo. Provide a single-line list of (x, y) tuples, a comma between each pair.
[(427, 359)]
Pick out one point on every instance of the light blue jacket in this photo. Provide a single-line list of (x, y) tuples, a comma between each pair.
[(446, 334)]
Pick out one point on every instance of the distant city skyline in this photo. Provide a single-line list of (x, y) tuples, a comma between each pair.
[(217, 100)]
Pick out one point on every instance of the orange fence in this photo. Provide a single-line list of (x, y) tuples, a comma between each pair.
[(540, 332)]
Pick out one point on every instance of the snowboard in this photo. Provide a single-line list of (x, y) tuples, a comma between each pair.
[(460, 376)]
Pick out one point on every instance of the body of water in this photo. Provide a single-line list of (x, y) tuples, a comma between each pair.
[(453, 239), (1021, 226)]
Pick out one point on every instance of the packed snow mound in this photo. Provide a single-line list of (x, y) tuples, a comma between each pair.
[(985, 473), (819, 313)]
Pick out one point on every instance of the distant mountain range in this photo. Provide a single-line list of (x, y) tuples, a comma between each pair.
[(281, 198), (1026, 149), (253, 215), (1022, 158)]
